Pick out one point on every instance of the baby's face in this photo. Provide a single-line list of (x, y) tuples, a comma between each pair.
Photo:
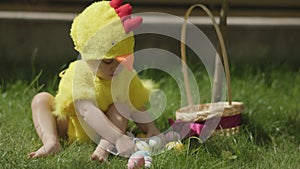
[(106, 68)]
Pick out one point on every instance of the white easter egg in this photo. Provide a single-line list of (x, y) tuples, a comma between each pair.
[(155, 142), (142, 145)]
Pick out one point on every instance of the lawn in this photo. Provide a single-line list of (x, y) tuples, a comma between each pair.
[(269, 137)]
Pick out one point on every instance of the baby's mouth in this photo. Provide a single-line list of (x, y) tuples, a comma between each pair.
[(116, 73)]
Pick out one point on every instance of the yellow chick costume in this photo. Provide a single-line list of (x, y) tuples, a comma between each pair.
[(98, 33)]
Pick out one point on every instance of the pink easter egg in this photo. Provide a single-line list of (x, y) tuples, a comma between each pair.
[(136, 162)]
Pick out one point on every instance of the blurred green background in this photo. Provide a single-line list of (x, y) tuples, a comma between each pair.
[(34, 34)]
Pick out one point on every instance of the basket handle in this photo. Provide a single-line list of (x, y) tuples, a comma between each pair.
[(223, 50)]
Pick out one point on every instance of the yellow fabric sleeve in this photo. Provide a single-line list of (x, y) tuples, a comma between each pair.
[(139, 92), (76, 83), (83, 82)]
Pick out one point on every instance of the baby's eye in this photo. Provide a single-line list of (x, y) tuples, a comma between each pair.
[(107, 61)]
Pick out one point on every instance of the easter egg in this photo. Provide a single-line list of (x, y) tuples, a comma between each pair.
[(141, 135), (155, 142), (148, 161), (142, 145), (136, 161), (143, 153), (174, 145)]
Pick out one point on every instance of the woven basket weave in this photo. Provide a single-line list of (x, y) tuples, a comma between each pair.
[(230, 119)]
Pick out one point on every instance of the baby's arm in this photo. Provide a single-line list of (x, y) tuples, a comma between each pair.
[(96, 119), (145, 122), (149, 128)]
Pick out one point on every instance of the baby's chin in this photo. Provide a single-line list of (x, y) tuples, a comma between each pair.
[(117, 72), (109, 77)]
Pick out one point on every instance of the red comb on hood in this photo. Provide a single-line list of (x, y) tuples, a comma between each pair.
[(115, 3), (124, 12)]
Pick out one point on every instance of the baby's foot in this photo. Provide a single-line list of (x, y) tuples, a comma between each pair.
[(99, 154), (45, 150)]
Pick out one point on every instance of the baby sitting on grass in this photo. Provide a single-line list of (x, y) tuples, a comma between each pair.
[(98, 93)]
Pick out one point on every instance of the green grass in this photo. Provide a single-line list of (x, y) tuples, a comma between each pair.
[(269, 137)]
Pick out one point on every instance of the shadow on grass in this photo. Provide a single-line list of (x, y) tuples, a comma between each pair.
[(260, 136), (292, 126), (245, 144)]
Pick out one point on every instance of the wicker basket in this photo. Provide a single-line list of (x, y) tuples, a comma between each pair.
[(227, 113)]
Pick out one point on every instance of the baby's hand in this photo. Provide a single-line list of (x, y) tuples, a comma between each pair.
[(125, 146)]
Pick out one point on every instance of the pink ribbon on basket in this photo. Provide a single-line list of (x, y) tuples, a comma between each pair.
[(186, 129)]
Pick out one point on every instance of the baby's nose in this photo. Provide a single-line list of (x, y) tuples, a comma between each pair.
[(126, 60)]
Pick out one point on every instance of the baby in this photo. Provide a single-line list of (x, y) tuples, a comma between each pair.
[(100, 92)]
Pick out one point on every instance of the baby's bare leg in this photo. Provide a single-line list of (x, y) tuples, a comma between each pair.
[(149, 128), (45, 125), (119, 121)]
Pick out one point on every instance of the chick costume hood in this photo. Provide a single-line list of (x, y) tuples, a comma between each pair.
[(102, 31)]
